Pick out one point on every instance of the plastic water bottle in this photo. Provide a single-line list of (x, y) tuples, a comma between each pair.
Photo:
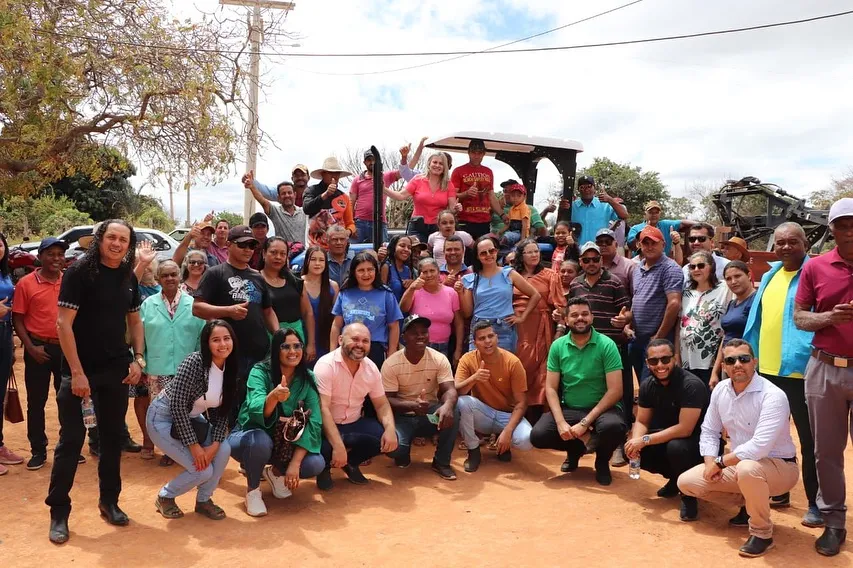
[(89, 419), (634, 468)]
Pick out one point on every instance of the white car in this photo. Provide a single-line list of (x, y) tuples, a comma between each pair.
[(163, 244)]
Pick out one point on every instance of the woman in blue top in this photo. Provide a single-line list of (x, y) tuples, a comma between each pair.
[(363, 298), (487, 294), (7, 291), (399, 270), (322, 293), (739, 281)]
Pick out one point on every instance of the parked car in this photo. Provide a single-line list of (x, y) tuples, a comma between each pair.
[(163, 244), (179, 233)]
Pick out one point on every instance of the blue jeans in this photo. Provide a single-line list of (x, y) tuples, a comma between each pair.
[(637, 357), (410, 426), (364, 232), (253, 449), (443, 348), (159, 424), (507, 337), (362, 439), (476, 416)]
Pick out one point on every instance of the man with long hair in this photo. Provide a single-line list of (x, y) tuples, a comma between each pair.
[(98, 301)]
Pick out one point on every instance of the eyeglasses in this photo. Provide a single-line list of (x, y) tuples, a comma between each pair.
[(589, 259), (700, 239), (485, 253), (742, 358), (666, 360), (196, 262), (246, 245), (291, 347), (697, 266)]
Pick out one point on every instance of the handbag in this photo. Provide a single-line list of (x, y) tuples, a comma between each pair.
[(287, 431), (200, 425), (12, 408)]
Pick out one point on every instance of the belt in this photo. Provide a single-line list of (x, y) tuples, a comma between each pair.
[(50, 340), (829, 359)]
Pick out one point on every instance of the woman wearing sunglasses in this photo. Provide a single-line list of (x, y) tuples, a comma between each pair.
[(733, 322), (703, 302), (192, 269), (278, 388), (487, 294)]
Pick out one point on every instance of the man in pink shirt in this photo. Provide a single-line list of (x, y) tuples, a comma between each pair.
[(344, 378), (361, 195)]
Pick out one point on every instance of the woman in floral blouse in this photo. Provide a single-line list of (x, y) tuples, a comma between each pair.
[(702, 307)]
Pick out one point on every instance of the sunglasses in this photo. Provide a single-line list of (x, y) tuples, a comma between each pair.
[(742, 358), (697, 239), (697, 266), (666, 359), (246, 245), (485, 253), (589, 259), (291, 347), (196, 262)]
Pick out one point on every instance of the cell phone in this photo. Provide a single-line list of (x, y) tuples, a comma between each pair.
[(433, 418)]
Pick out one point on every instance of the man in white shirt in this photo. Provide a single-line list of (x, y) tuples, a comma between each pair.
[(762, 463)]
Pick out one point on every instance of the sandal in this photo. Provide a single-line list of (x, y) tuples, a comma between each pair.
[(166, 461), (210, 510), (147, 453), (168, 508), (493, 443)]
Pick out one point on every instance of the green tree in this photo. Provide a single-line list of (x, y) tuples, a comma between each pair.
[(232, 218), (839, 188), (147, 211), (631, 183), (48, 215)]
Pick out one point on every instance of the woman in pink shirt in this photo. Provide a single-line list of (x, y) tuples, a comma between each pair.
[(432, 192)]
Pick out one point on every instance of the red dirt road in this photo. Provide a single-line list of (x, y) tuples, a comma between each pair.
[(520, 514)]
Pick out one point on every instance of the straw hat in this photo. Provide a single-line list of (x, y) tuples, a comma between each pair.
[(331, 165), (739, 244)]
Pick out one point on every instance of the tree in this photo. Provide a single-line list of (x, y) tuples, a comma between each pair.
[(48, 215), (839, 188), (75, 76), (232, 218), (631, 183)]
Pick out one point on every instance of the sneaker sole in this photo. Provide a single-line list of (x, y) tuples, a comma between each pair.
[(36, 467), (752, 555), (267, 474), (11, 462), (256, 515), (451, 477), (818, 525)]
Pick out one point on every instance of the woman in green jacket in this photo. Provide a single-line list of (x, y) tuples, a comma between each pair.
[(275, 389)]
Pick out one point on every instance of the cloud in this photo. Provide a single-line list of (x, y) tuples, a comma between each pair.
[(773, 103)]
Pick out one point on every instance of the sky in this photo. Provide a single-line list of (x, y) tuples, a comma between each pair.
[(774, 104)]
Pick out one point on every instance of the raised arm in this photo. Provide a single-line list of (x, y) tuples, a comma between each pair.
[(249, 183)]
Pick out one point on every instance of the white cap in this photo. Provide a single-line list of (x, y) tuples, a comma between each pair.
[(841, 208), (589, 245)]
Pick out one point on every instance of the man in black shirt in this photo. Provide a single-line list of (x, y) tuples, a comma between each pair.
[(99, 293), (236, 293), (666, 433)]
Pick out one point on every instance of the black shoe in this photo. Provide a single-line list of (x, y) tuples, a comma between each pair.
[(741, 519), (131, 447), (94, 451), (689, 509), (754, 547), (505, 457), (113, 515), (570, 464), (602, 472), (403, 462), (37, 462), (829, 543), (669, 490), (782, 501), (354, 475), (472, 464), (445, 471), (81, 459), (58, 533), (324, 480)]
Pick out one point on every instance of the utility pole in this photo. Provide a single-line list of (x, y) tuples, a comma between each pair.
[(188, 184), (171, 200), (255, 26)]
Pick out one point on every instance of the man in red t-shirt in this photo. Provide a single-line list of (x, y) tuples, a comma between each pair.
[(475, 190)]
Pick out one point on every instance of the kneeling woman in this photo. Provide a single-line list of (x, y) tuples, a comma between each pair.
[(276, 388), (189, 420)]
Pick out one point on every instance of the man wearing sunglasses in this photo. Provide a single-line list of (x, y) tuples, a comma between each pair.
[(755, 414), (701, 237), (666, 433)]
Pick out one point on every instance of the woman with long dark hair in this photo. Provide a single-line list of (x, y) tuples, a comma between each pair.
[(363, 298), (739, 281), (189, 420), (277, 388), (7, 350), (289, 299), (487, 294), (322, 292), (398, 271)]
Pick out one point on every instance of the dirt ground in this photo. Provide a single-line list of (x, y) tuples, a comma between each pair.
[(525, 513)]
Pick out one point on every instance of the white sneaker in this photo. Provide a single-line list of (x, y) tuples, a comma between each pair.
[(279, 489), (255, 503)]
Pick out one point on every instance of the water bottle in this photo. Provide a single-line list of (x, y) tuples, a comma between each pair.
[(89, 419), (634, 468)]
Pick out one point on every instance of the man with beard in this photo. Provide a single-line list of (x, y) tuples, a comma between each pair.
[(592, 212), (419, 385), (826, 286), (344, 378), (299, 177), (98, 304), (665, 436), (287, 217), (583, 388), (754, 413)]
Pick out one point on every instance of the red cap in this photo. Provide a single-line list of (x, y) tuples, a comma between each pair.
[(516, 187), (652, 233)]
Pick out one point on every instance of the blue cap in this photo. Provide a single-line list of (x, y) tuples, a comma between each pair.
[(52, 242)]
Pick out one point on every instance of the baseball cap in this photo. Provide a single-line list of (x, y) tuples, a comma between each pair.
[(368, 154), (841, 208), (52, 242), (651, 205), (258, 218), (651, 232), (301, 167), (477, 144), (589, 245), (605, 232), (586, 180), (516, 187), (413, 319), (206, 225), (240, 234), (507, 183)]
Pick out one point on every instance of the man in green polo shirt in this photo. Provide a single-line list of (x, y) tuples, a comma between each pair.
[(583, 388)]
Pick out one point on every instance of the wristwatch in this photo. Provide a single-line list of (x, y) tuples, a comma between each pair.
[(719, 462), (647, 440), (584, 423), (140, 360)]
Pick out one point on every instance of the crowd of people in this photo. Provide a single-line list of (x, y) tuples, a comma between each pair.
[(453, 333)]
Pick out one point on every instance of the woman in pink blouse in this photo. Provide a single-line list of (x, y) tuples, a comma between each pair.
[(431, 192)]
